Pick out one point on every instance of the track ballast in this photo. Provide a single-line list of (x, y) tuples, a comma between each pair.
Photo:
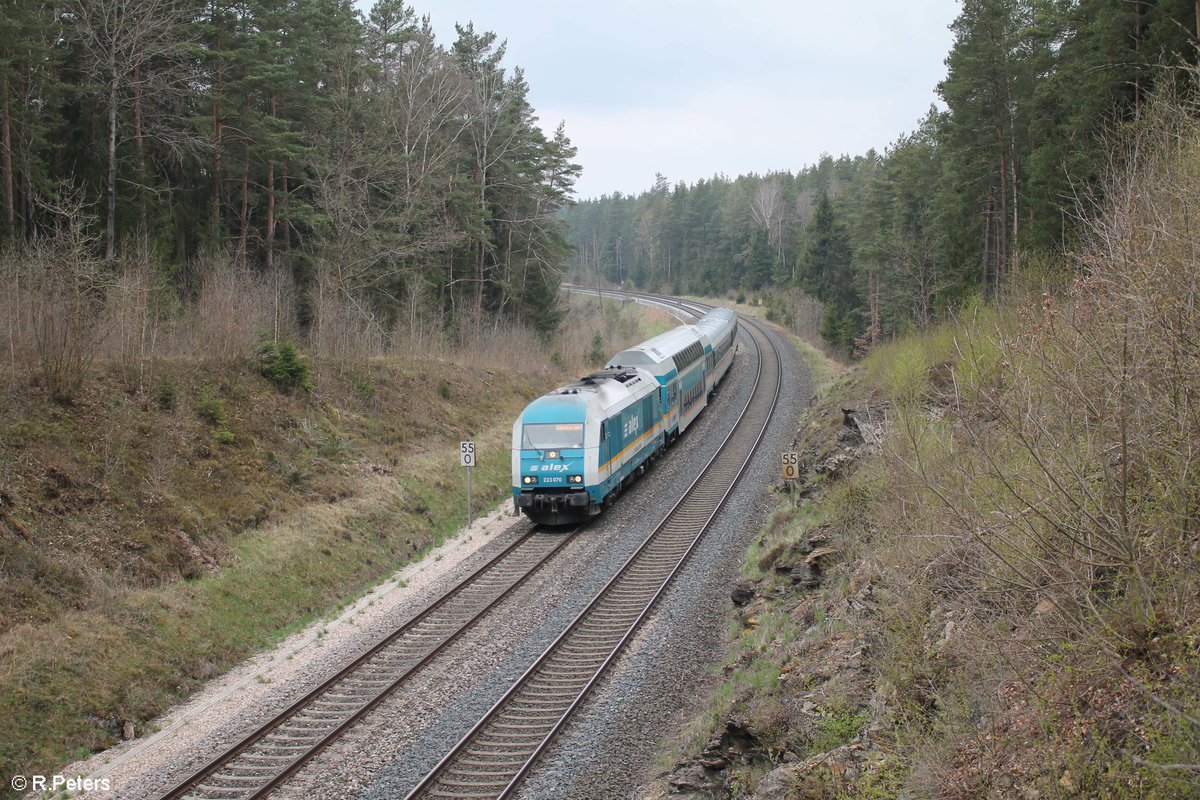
[(499, 751)]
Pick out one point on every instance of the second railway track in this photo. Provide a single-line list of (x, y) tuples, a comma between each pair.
[(499, 751), (269, 755)]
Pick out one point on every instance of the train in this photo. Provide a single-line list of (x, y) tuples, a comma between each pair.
[(576, 448)]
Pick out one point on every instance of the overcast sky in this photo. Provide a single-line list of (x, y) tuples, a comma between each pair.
[(692, 89)]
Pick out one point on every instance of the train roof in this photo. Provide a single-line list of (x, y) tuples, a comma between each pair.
[(716, 323), (658, 354), (605, 388), (716, 317)]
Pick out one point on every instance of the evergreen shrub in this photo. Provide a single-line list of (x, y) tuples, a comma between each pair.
[(596, 353), (211, 407), (165, 395), (282, 365)]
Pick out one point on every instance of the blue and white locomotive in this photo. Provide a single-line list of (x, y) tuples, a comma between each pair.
[(576, 447)]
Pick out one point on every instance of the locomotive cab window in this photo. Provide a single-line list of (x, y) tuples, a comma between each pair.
[(552, 435)]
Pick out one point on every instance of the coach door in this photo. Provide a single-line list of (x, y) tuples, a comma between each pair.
[(604, 456)]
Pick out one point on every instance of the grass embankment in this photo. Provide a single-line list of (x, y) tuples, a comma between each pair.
[(997, 595), (152, 540), (1007, 601)]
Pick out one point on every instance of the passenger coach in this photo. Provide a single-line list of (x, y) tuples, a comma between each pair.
[(676, 360), (720, 328)]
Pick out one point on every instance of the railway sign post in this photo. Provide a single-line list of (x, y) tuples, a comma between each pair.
[(790, 461), (466, 458)]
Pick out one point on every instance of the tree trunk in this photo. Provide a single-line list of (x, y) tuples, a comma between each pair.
[(245, 215), (111, 226), (984, 270), (270, 233), (216, 114), (6, 146), (481, 176), (1014, 265), (283, 214), (138, 144), (1002, 228)]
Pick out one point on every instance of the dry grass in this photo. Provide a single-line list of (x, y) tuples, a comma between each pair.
[(1021, 565), (169, 520), (1039, 535)]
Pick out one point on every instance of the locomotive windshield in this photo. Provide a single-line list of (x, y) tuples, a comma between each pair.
[(553, 435)]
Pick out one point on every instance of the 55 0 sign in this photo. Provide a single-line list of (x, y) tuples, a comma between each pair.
[(466, 458), (790, 463)]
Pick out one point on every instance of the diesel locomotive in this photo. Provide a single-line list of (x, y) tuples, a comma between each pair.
[(575, 448)]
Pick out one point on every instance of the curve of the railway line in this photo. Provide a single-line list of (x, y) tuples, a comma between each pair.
[(500, 750), (538, 705)]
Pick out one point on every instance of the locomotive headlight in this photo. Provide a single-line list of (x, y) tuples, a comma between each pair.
[(552, 454), (528, 479), (576, 479)]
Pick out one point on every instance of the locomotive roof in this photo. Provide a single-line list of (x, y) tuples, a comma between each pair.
[(605, 388)]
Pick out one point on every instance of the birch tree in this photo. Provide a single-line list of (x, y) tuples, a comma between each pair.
[(138, 54)]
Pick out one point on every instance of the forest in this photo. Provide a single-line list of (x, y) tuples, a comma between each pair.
[(344, 169), (983, 194)]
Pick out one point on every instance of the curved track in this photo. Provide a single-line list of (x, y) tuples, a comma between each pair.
[(493, 758), (267, 756)]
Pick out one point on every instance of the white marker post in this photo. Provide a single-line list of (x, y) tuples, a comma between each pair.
[(466, 457)]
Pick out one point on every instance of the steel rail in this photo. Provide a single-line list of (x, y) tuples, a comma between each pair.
[(489, 769), (227, 758)]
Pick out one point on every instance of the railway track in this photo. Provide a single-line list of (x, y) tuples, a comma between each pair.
[(266, 757), (500, 750), (544, 698)]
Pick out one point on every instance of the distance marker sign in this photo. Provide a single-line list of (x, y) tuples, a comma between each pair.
[(791, 465), (466, 454)]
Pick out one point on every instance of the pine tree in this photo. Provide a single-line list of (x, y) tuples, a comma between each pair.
[(827, 273)]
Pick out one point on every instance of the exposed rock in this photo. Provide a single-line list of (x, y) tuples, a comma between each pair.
[(778, 784), (736, 743), (818, 553), (836, 465), (743, 593), (799, 562), (849, 436), (806, 576), (693, 780), (794, 782)]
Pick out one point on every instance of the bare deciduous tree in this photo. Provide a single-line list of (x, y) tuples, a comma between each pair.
[(767, 207), (383, 188), (138, 53)]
